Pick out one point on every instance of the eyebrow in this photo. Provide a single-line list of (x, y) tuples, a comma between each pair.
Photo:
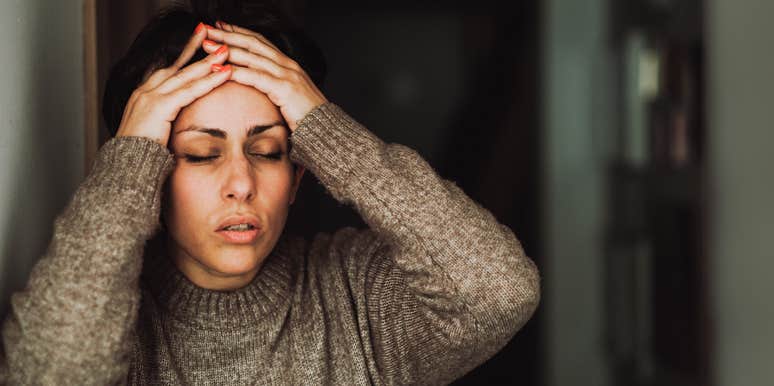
[(218, 133)]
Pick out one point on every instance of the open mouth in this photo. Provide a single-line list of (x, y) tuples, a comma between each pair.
[(239, 227), (239, 234)]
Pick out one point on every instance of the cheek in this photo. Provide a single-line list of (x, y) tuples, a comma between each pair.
[(275, 186), (188, 197)]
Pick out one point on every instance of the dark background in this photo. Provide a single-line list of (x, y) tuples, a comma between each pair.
[(457, 82)]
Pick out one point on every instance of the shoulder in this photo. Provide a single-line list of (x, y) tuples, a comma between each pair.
[(347, 249), (345, 243)]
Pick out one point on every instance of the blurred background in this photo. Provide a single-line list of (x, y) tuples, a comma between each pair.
[(626, 144)]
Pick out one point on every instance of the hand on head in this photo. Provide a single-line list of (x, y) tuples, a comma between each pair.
[(252, 61), (258, 63)]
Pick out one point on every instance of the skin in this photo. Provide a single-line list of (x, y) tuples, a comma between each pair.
[(242, 180), (245, 81)]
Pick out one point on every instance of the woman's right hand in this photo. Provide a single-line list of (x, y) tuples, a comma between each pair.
[(154, 105)]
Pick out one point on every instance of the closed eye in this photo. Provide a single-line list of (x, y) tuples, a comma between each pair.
[(274, 156), (197, 159)]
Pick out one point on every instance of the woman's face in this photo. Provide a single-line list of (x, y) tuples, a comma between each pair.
[(249, 174)]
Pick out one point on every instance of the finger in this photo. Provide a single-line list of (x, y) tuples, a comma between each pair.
[(235, 28), (248, 42), (261, 80), (184, 96), (194, 71), (245, 58), (156, 78), (160, 75), (190, 48)]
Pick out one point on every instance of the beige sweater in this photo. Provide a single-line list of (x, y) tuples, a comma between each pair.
[(432, 289)]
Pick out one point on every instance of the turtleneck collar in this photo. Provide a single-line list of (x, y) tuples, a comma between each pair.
[(246, 306)]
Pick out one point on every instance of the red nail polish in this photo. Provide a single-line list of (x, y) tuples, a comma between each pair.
[(221, 50), (199, 28), (208, 42), (220, 67)]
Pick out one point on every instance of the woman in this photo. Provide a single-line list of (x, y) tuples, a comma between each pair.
[(220, 295)]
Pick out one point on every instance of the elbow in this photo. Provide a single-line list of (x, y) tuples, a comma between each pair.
[(507, 304), (516, 298), (527, 294), (516, 291), (522, 291)]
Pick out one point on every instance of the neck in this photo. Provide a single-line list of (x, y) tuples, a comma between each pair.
[(205, 276), (247, 306)]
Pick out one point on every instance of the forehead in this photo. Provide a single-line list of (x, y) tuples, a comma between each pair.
[(231, 107)]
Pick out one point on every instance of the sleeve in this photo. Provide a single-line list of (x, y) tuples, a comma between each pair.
[(72, 322), (440, 285)]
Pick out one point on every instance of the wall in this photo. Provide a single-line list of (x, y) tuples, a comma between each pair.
[(741, 136), (577, 123), (41, 129)]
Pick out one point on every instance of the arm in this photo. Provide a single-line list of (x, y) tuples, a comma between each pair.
[(72, 322), (447, 286)]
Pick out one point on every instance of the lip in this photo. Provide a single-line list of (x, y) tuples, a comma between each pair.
[(238, 219), (239, 237)]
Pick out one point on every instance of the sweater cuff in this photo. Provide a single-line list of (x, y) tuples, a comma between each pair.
[(336, 148), (131, 165)]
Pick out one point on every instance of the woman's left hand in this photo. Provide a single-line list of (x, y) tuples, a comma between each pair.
[(258, 63)]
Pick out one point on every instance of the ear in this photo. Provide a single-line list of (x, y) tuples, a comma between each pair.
[(296, 182)]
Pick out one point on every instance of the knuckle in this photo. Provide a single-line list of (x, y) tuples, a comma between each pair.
[(142, 87), (284, 73), (258, 46), (292, 64), (180, 91), (136, 93), (163, 73), (295, 77), (141, 97), (177, 78), (147, 82), (143, 104)]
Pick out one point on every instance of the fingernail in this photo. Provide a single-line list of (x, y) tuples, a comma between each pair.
[(208, 42), (221, 50), (220, 67), (199, 28)]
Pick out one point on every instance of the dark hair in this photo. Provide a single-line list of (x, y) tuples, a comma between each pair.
[(162, 40)]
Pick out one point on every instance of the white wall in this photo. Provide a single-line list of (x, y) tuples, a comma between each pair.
[(41, 128), (741, 124), (577, 117)]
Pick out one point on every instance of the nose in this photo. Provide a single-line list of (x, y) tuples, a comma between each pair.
[(240, 180)]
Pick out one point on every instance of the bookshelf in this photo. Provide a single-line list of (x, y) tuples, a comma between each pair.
[(656, 265)]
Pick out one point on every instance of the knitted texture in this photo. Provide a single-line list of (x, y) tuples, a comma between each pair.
[(431, 289)]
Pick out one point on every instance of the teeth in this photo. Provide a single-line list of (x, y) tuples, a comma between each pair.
[(239, 227)]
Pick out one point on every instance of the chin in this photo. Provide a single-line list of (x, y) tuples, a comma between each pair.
[(236, 263)]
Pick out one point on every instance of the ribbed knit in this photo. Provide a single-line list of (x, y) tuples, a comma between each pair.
[(245, 307), (431, 289)]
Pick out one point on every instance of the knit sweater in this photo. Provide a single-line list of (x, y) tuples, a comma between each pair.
[(431, 289)]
